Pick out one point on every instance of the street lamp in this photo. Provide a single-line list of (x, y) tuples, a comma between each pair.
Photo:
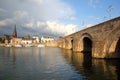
[(109, 10)]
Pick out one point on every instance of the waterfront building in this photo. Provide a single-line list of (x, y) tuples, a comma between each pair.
[(7, 38), (36, 39), (26, 41), (16, 40), (46, 39)]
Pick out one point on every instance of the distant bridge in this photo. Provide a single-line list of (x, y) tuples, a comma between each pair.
[(102, 40)]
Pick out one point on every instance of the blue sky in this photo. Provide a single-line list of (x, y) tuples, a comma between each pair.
[(54, 17), (94, 11)]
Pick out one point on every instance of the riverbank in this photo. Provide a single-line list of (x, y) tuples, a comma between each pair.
[(21, 45), (2, 45)]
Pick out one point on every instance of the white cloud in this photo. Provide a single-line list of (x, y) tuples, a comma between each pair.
[(40, 23), (41, 9), (88, 25), (20, 15), (3, 23), (29, 25), (94, 3), (58, 28), (2, 10), (52, 27), (38, 1), (54, 9), (6, 22), (70, 18), (39, 16)]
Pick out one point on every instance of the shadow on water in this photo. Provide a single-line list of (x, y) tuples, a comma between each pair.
[(118, 69), (116, 64), (93, 69), (87, 60)]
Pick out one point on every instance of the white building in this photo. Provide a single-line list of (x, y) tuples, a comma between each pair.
[(26, 41), (46, 39), (36, 39)]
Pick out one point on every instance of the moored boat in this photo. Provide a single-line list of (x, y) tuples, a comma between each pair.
[(8, 45), (28, 45), (18, 45), (41, 45)]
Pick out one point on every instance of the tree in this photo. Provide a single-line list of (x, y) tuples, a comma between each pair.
[(2, 40)]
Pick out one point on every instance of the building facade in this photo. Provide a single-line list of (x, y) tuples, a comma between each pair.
[(26, 41), (45, 39), (7, 38), (36, 39), (15, 41)]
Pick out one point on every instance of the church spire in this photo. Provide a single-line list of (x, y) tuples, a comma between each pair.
[(15, 32)]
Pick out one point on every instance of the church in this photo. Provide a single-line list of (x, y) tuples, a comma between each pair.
[(7, 38)]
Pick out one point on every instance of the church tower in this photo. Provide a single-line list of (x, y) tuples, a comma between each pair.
[(15, 32)]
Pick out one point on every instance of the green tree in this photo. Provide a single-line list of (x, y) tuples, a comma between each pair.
[(2, 40)]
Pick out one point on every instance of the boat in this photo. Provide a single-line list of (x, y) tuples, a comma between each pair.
[(28, 45), (41, 45), (8, 45), (18, 45)]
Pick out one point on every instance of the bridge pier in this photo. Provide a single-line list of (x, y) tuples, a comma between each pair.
[(97, 50)]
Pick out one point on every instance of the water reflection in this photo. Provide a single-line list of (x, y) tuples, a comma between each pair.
[(93, 69), (35, 64), (54, 64)]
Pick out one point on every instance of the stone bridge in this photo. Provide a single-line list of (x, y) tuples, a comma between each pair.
[(102, 40)]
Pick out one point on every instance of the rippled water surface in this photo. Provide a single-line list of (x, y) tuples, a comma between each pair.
[(54, 64)]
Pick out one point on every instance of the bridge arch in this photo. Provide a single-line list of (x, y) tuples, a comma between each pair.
[(112, 44), (85, 42), (69, 43), (72, 44)]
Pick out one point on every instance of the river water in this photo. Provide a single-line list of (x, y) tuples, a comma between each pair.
[(54, 64)]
